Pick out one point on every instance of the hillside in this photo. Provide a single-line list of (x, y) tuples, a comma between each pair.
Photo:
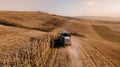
[(114, 19), (26, 39), (31, 20)]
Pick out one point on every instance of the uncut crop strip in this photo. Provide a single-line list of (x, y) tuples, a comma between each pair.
[(32, 52), (12, 40), (10, 52), (51, 58), (55, 58), (62, 59), (7, 38)]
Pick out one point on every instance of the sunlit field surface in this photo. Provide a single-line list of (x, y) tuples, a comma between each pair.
[(26, 39)]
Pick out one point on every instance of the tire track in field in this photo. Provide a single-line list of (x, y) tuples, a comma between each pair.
[(79, 54), (98, 58), (74, 54), (91, 57)]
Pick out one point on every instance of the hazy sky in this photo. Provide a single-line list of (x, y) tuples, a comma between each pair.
[(66, 7)]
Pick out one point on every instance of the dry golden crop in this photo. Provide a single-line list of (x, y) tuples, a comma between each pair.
[(27, 38)]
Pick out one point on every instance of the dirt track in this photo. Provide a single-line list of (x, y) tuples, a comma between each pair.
[(80, 54)]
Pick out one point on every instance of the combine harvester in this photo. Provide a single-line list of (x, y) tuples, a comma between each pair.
[(64, 39)]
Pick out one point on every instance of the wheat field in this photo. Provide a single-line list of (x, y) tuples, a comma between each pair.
[(27, 39)]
